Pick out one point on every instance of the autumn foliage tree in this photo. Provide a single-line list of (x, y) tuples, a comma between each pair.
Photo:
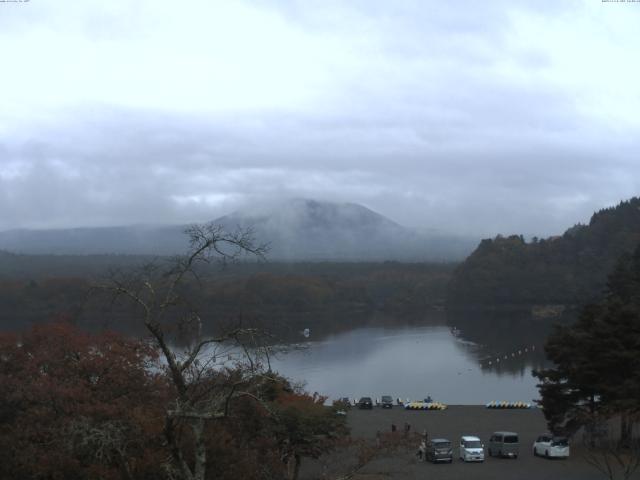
[(75, 405)]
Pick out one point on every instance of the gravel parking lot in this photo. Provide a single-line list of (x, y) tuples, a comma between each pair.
[(452, 424)]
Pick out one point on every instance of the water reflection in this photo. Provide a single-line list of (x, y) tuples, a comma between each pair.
[(506, 342), (452, 359)]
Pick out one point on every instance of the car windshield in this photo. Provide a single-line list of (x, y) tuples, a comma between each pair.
[(442, 444), (365, 400), (560, 442), (510, 439), (473, 444), (386, 398)]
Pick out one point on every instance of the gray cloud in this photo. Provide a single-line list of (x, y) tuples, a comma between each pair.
[(445, 116)]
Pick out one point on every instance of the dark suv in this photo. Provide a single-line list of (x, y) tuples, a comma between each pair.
[(386, 401), (365, 402)]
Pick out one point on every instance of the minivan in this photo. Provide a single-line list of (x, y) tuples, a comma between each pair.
[(438, 450), (504, 444), (471, 449)]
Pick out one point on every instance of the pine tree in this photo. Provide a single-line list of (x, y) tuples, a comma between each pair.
[(596, 373)]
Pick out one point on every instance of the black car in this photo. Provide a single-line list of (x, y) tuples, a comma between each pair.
[(365, 402), (386, 401)]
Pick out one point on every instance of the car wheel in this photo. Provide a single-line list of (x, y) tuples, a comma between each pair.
[(490, 453), (535, 452), (500, 453), (546, 453)]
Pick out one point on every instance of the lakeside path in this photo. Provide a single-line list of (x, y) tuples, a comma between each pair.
[(452, 423)]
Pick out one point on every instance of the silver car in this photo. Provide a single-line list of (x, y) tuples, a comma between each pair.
[(504, 444)]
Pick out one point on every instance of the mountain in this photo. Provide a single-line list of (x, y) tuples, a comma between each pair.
[(570, 269), (312, 230), (296, 230)]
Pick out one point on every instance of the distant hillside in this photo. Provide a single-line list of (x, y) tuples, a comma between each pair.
[(296, 230), (570, 269), (310, 230)]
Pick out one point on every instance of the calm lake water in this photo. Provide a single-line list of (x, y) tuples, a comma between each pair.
[(449, 364)]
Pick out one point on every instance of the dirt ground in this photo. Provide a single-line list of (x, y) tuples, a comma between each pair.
[(452, 424)]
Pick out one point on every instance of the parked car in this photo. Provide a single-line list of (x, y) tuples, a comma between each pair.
[(386, 401), (471, 449), (504, 444), (551, 446), (365, 402), (438, 450)]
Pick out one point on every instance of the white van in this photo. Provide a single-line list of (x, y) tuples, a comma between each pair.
[(471, 449)]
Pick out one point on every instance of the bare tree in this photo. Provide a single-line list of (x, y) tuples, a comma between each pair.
[(609, 454), (105, 442), (211, 369)]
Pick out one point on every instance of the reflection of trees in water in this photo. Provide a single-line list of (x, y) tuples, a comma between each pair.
[(289, 328), (505, 342)]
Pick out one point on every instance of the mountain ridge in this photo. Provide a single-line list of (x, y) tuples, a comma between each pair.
[(296, 230)]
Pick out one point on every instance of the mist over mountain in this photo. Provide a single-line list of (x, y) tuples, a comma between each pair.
[(295, 230), (312, 230)]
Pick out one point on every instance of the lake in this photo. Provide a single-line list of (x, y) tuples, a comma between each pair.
[(455, 365)]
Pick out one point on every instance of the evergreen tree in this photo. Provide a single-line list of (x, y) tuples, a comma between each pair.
[(597, 360)]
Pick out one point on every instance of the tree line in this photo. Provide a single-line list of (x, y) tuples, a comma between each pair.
[(280, 295), (570, 269)]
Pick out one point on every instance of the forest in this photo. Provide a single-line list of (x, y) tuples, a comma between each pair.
[(565, 270), (34, 289)]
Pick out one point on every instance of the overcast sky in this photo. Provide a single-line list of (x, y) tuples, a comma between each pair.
[(463, 116)]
